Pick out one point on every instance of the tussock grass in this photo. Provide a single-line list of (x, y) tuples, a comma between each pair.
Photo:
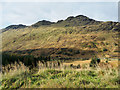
[(59, 77)]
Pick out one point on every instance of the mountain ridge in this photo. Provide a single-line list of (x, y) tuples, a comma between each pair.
[(63, 39), (20, 26), (78, 20)]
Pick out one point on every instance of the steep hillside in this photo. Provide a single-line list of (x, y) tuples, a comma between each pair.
[(84, 39), (77, 52)]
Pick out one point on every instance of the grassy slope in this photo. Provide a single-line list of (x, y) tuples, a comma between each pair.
[(21, 77), (82, 38), (79, 41)]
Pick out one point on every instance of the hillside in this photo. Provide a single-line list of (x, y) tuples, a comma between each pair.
[(55, 40), (77, 52)]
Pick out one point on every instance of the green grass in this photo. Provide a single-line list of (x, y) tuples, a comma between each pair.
[(60, 78)]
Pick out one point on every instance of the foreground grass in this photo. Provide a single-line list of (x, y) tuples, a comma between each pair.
[(60, 78)]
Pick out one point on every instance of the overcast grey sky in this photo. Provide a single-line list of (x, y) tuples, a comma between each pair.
[(31, 12)]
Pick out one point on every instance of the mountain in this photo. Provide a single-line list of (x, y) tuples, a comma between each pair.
[(42, 23), (20, 26), (71, 21), (75, 37), (76, 52), (79, 20)]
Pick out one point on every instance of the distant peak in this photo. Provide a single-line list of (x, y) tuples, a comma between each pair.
[(70, 18), (16, 26), (20, 26), (43, 22), (81, 16)]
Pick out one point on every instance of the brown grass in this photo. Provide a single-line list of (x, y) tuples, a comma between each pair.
[(113, 63)]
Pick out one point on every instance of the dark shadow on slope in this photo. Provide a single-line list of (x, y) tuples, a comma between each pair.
[(31, 56)]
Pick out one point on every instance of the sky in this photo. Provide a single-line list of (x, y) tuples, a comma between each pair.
[(30, 12)]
